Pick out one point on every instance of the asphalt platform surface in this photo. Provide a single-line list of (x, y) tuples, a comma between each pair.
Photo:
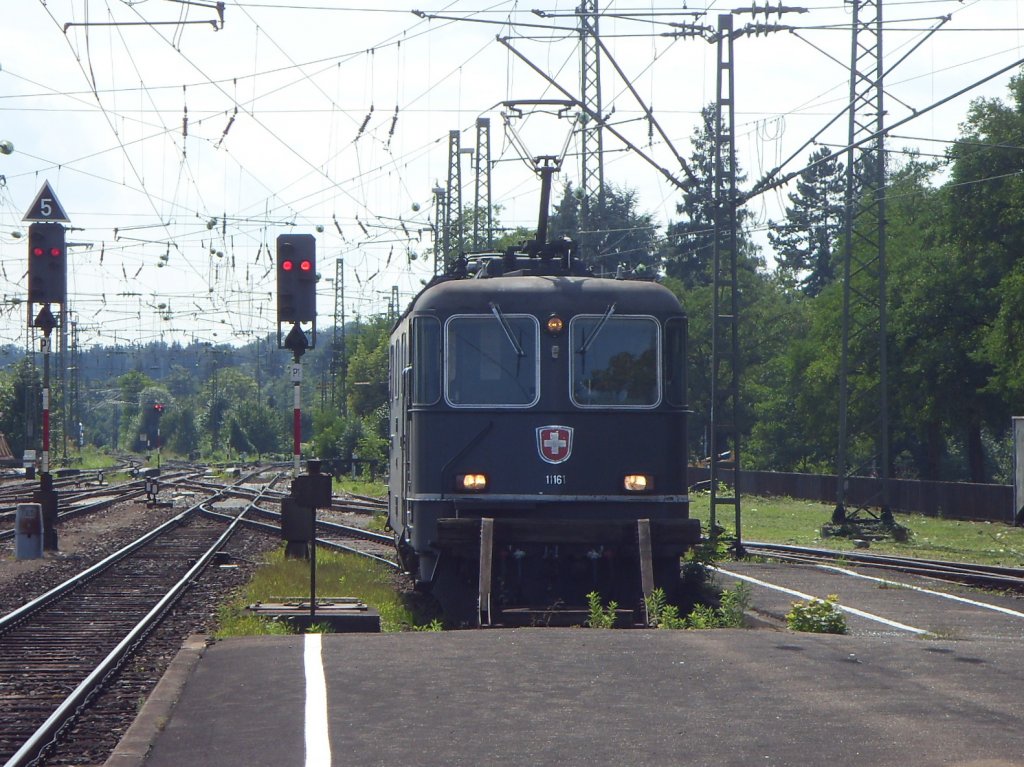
[(880, 695)]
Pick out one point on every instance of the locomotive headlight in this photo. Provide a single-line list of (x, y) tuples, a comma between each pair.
[(638, 483), (472, 483), (555, 325)]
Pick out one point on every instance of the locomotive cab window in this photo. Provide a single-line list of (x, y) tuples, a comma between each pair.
[(491, 360), (675, 361), (616, 360), (426, 360)]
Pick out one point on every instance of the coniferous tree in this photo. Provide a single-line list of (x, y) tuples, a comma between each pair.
[(688, 251), (805, 241), (615, 237)]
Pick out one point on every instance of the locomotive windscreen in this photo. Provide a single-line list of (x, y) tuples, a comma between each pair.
[(615, 361), (491, 360)]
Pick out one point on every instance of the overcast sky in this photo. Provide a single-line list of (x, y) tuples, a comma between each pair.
[(181, 145)]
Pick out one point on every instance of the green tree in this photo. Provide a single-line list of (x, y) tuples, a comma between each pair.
[(184, 436), (616, 235), (687, 252), (367, 380), (805, 242), (256, 428), (20, 405), (986, 192), (228, 388)]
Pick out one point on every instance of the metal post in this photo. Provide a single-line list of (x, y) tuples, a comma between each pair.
[(312, 564), (45, 464), (1017, 515), (46, 496), (296, 416)]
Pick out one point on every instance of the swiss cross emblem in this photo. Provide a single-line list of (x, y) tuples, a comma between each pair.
[(554, 443)]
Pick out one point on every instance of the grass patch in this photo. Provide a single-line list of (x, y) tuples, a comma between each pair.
[(337, 575), (785, 520), (361, 487), (87, 458)]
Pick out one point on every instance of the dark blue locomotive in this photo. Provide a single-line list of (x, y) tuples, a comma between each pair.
[(538, 436)]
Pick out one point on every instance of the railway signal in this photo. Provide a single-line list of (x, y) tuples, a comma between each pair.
[(296, 278), (296, 304), (47, 264)]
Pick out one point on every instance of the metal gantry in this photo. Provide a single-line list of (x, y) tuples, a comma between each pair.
[(453, 201), (339, 366), (440, 228), (482, 213), (591, 142), (725, 363), (863, 448)]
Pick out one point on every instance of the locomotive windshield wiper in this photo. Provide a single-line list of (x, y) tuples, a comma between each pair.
[(496, 311), (588, 341)]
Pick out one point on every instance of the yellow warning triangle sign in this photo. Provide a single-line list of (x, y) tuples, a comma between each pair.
[(46, 207)]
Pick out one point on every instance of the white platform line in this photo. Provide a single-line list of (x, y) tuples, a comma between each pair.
[(801, 595), (954, 597), (318, 743)]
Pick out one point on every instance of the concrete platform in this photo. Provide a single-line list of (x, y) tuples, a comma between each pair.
[(585, 697), (768, 696)]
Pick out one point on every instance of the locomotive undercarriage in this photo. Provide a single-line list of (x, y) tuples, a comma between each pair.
[(489, 570)]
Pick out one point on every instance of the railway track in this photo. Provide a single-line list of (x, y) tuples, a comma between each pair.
[(57, 650), (75, 501), (981, 576), (379, 547)]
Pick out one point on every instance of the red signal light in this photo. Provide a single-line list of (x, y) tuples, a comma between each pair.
[(305, 265), (55, 252), (287, 265), (37, 251)]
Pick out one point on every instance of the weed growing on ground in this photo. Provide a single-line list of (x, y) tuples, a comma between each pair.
[(729, 613), (733, 604), (600, 617), (434, 625), (818, 616), (660, 614)]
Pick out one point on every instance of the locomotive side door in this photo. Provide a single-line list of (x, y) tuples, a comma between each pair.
[(401, 418)]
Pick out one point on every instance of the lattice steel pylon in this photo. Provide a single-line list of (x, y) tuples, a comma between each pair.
[(394, 307), (591, 141), (453, 202), (863, 370), (339, 365), (482, 213), (725, 356)]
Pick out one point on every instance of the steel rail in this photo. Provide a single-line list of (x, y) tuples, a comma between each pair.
[(46, 733), (990, 576), (123, 492), (354, 532)]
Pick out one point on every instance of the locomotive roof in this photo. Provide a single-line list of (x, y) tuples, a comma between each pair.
[(540, 293)]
